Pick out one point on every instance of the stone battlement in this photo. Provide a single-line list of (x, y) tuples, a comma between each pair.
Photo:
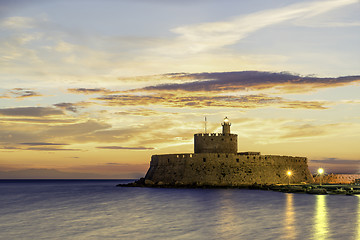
[(227, 169), (214, 134), (216, 162)]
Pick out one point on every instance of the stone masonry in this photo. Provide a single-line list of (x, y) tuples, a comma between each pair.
[(216, 162)]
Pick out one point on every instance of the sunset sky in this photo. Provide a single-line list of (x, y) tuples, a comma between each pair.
[(92, 89)]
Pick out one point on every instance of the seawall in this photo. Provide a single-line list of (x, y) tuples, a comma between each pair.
[(226, 169), (337, 178)]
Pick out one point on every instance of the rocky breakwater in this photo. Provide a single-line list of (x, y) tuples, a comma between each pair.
[(331, 189)]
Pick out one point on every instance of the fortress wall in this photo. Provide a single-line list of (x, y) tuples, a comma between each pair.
[(215, 143), (226, 169), (337, 178)]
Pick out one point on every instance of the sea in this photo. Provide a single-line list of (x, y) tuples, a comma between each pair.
[(97, 209)]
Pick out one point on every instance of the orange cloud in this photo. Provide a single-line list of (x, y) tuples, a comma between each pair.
[(247, 80), (30, 111), (203, 100)]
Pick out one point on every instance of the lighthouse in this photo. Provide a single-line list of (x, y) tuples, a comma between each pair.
[(226, 126), (224, 142)]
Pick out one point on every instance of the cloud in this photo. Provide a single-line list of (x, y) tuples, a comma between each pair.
[(208, 36), (30, 111), (204, 100), (43, 144), (49, 149), (138, 112), (76, 130), (18, 23), (73, 107), (36, 120), (309, 130), (90, 90), (125, 148), (67, 106), (49, 136), (20, 93), (248, 80), (335, 165), (9, 148), (24, 93)]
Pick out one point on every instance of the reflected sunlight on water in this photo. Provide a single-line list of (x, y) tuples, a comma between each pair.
[(320, 220), (92, 210), (289, 220), (228, 220), (358, 214)]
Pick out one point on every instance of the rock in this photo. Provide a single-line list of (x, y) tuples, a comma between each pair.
[(149, 182)]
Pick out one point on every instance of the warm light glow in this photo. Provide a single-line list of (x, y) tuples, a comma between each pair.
[(290, 217), (92, 109), (320, 171), (289, 173), (321, 223), (358, 225)]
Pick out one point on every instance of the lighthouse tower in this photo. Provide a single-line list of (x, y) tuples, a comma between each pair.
[(224, 142), (226, 126)]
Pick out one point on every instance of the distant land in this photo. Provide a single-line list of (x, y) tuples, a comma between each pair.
[(56, 174), (335, 166)]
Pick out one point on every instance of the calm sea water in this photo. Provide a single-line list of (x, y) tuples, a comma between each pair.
[(73, 209)]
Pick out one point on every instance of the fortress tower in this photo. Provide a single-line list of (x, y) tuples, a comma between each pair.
[(216, 162), (224, 142)]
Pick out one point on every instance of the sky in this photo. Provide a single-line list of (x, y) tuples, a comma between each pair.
[(92, 89)]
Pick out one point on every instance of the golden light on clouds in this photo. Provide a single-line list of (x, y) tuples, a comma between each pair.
[(85, 95)]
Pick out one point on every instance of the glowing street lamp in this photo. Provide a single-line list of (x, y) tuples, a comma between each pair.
[(320, 172), (289, 173)]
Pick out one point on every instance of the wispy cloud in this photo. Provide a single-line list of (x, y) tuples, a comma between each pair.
[(49, 149), (30, 111), (90, 91), (202, 101), (141, 112), (20, 93), (125, 148), (36, 120), (18, 22), (43, 144), (309, 130), (207, 36), (336, 165), (248, 80)]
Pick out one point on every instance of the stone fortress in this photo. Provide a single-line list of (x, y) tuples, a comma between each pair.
[(217, 162)]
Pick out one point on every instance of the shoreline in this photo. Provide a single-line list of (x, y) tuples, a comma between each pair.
[(324, 189)]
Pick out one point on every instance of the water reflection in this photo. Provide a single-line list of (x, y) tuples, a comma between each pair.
[(358, 215), (228, 223), (289, 217), (321, 222)]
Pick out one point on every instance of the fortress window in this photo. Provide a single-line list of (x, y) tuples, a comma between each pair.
[(204, 159), (191, 155), (222, 139), (212, 139), (237, 160), (218, 155), (230, 139), (168, 160), (247, 157), (177, 156), (227, 155), (254, 157)]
